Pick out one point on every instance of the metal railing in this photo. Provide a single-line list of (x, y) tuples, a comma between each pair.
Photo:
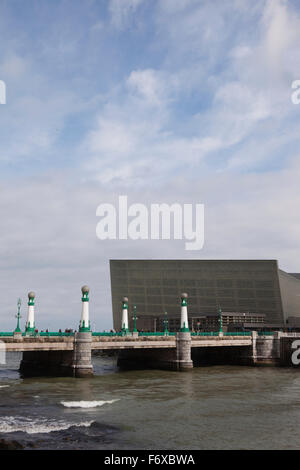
[(54, 333), (143, 333), (156, 333), (41, 333), (205, 333), (237, 333), (106, 333), (266, 333), (216, 333)]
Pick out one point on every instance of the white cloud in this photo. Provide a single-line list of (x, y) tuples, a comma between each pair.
[(48, 243), (204, 99), (148, 85), (122, 10), (282, 32), (111, 137)]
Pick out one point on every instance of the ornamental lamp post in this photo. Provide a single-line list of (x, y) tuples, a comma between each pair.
[(18, 316), (220, 320), (85, 325), (184, 324), (30, 325), (124, 325), (135, 319), (166, 324)]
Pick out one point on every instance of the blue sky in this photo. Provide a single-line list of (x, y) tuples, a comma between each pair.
[(161, 100)]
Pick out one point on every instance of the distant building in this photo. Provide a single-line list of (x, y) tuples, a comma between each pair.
[(249, 292), (231, 321)]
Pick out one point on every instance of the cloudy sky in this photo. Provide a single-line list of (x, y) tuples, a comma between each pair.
[(163, 101)]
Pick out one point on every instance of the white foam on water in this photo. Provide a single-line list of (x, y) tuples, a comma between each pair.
[(86, 404), (4, 386), (10, 424)]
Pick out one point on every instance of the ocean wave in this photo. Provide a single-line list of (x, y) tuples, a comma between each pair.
[(9, 424), (86, 404)]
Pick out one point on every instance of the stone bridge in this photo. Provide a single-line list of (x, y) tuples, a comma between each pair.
[(71, 353)]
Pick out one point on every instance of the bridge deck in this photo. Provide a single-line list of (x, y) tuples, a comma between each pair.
[(39, 344), (104, 342)]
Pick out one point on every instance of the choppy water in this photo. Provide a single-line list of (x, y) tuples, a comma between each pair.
[(219, 407)]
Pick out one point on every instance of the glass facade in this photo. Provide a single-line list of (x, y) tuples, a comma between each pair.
[(154, 286)]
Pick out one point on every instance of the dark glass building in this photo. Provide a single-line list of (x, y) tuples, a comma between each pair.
[(237, 286)]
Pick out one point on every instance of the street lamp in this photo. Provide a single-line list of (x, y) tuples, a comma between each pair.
[(134, 318), (18, 316), (166, 324), (220, 320)]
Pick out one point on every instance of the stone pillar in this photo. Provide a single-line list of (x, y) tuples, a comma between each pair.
[(30, 325), (254, 349), (183, 351), (276, 348), (124, 324), (184, 322), (267, 349), (82, 358), (183, 339)]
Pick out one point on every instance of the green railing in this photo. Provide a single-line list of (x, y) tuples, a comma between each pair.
[(216, 333), (237, 333), (144, 333), (266, 333), (156, 333), (205, 333), (42, 333), (104, 333), (54, 333)]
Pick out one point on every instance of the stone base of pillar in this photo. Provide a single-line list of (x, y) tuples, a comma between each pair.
[(82, 358), (183, 352), (182, 366)]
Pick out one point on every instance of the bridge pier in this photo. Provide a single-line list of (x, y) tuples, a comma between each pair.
[(60, 363), (183, 351), (82, 356), (177, 359), (76, 362)]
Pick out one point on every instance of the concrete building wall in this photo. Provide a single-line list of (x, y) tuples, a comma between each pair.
[(235, 285), (290, 294)]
